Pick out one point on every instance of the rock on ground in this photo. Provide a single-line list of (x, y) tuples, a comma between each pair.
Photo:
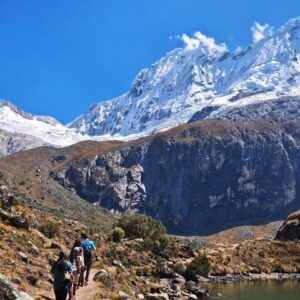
[(290, 229), (8, 291)]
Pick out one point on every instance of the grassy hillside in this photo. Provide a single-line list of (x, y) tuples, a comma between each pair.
[(28, 176)]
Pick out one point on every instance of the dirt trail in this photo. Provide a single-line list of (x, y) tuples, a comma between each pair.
[(87, 292)]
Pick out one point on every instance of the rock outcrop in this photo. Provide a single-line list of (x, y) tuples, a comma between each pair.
[(290, 229), (8, 291), (197, 178), (282, 109), (6, 202)]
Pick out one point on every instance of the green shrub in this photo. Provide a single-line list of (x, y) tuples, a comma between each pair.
[(17, 201), (141, 226), (50, 230), (200, 266), (118, 234), (161, 245), (180, 269)]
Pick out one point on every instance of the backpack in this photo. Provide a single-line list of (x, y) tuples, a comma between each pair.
[(86, 249), (77, 265)]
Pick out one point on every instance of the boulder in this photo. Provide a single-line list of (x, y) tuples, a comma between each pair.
[(105, 277), (100, 274), (201, 279), (19, 222), (123, 296), (200, 292), (118, 264), (179, 280), (14, 220), (23, 256), (6, 199), (290, 229), (157, 296), (190, 285), (33, 248), (8, 291)]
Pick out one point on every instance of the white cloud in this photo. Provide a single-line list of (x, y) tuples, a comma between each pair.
[(238, 49), (190, 42), (199, 39), (260, 31)]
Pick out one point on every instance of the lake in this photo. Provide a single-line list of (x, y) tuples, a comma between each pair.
[(258, 290)]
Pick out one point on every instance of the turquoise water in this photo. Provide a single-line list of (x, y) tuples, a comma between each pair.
[(262, 290)]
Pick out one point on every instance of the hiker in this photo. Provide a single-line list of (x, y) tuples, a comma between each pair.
[(88, 247), (78, 265), (78, 244), (63, 273)]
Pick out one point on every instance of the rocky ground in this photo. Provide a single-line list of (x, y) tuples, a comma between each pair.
[(31, 240)]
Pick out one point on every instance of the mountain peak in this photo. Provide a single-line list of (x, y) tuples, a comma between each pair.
[(207, 45), (19, 111), (201, 74), (45, 128)]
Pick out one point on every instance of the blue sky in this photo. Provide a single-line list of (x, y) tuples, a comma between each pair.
[(59, 57)]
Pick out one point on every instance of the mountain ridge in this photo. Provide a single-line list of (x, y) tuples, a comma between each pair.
[(183, 83)]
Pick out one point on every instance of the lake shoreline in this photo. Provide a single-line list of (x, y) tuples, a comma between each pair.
[(254, 277)]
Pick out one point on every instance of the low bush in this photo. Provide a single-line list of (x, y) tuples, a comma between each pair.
[(141, 226), (159, 246), (180, 269), (118, 234), (50, 230), (199, 266)]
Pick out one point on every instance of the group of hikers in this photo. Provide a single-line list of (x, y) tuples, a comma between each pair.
[(73, 271)]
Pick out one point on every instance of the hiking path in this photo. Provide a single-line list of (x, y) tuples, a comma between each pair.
[(89, 291)]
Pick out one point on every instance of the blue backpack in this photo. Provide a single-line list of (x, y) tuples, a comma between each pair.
[(86, 248)]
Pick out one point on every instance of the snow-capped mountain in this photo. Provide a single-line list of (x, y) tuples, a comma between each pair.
[(39, 129), (203, 78), (188, 79)]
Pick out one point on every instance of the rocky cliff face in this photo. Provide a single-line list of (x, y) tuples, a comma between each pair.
[(197, 178)]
